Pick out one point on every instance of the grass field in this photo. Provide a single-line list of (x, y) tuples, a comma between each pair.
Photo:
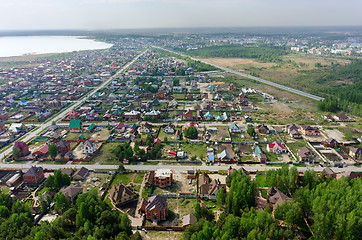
[(105, 154), (261, 180), (192, 149), (138, 178), (124, 178)]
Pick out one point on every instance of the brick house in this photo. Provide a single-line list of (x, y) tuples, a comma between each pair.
[(73, 115), (188, 115), (121, 194), (23, 147), (34, 176), (163, 178), (305, 154), (63, 147), (132, 115), (156, 208)]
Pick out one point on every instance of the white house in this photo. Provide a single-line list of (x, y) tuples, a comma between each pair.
[(277, 148), (89, 147), (169, 129)]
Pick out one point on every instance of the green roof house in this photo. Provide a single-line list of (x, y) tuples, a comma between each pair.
[(74, 125)]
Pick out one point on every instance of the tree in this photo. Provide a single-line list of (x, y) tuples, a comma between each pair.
[(251, 131), (61, 203), (165, 139), (53, 150), (136, 147), (197, 211), (16, 152), (221, 196), (191, 132)]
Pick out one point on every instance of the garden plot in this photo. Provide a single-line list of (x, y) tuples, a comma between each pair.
[(220, 135), (228, 148), (336, 134), (103, 134)]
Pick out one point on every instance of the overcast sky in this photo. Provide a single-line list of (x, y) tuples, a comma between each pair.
[(123, 14)]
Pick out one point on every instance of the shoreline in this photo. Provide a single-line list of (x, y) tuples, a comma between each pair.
[(27, 57)]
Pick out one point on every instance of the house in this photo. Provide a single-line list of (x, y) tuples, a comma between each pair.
[(341, 117), (73, 115), (120, 128), (329, 172), (23, 148), (63, 147), (149, 178), (178, 135), (121, 195), (156, 208), (295, 134), (208, 116), (89, 147), (234, 128), (188, 115), (349, 175), (355, 152), (42, 112), (43, 151), (309, 131), (276, 197), (262, 158), (278, 129), (262, 129), (157, 141), (305, 154), (74, 125), (72, 191), (23, 102), (191, 174), (232, 87), (80, 174), (169, 129), (16, 128), (257, 151), (330, 142), (188, 220), (90, 128), (181, 154), (290, 127), (163, 178), (145, 128), (153, 114), (207, 189), (132, 115), (172, 154), (34, 176), (224, 156), (276, 147)]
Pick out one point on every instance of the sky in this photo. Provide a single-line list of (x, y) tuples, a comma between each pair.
[(131, 14)]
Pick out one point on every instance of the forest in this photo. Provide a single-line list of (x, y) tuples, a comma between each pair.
[(260, 53), (322, 208), (89, 218), (346, 97)]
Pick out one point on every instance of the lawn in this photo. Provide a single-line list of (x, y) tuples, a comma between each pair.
[(295, 146), (43, 190), (194, 149), (146, 191), (272, 157), (139, 178), (264, 193), (124, 178), (181, 206), (165, 235), (261, 180), (105, 154)]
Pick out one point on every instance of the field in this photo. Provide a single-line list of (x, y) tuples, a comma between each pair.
[(194, 149), (105, 154)]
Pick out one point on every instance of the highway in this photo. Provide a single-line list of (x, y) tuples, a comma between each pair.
[(292, 90), (64, 112)]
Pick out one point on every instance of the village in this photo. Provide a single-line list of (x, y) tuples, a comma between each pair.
[(160, 111)]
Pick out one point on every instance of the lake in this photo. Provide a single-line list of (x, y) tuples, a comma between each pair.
[(19, 46)]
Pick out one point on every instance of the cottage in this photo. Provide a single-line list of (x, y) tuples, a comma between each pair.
[(72, 191), (155, 208), (309, 131), (276, 197), (145, 128), (262, 129), (63, 147), (163, 177), (90, 128), (355, 152), (74, 125), (80, 174), (276, 147), (153, 114), (23, 148), (120, 128), (132, 115), (290, 127), (169, 129), (89, 147), (208, 116), (234, 128), (16, 128), (341, 117), (329, 172), (73, 115), (295, 134), (305, 154), (188, 220), (34, 176), (330, 142), (43, 151), (207, 189), (224, 156), (188, 115), (121, 195)]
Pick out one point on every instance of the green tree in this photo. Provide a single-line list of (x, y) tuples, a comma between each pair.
[(61, 203), (251, 131), (53, 150), (220, 197), (197, 211), (16, 152)]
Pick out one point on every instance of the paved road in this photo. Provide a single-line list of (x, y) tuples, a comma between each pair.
[(304, 94), (60, 116), (154, 167)]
